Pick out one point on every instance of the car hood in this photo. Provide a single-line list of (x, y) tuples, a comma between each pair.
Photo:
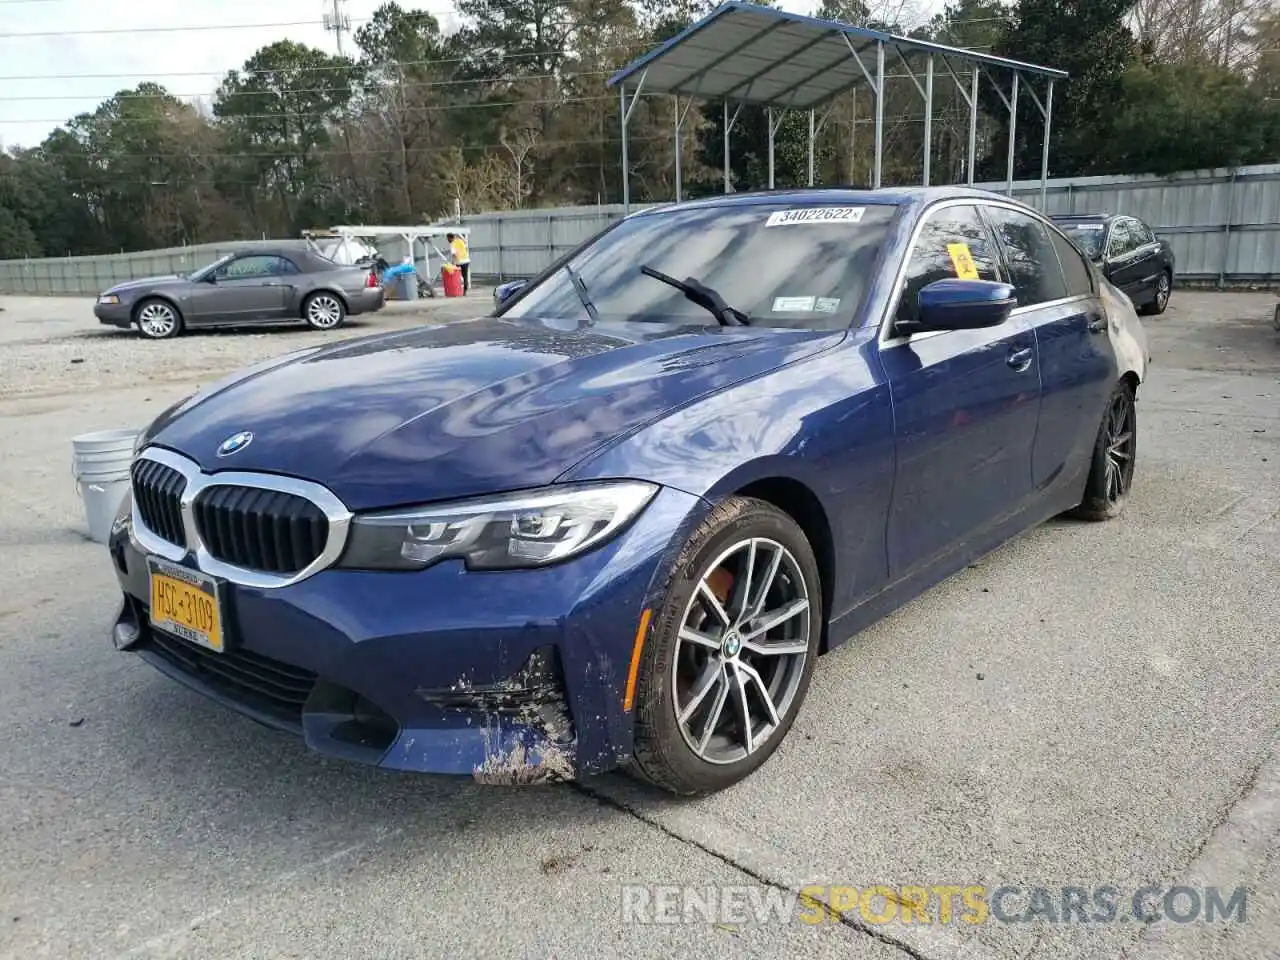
[(166, 280), (465, 408)]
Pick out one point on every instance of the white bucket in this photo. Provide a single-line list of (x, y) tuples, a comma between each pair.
[(101, 503), (100, 464)]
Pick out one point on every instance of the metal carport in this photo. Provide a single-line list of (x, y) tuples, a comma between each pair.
[(743, 53)]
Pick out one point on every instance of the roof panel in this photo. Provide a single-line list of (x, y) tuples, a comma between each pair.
[(769, 57)]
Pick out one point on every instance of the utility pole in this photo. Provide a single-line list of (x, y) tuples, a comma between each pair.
[(336, 20)]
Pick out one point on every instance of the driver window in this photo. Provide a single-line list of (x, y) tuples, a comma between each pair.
[(246, 268), (954, 242)]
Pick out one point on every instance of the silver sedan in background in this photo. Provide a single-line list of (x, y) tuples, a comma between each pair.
[(267, 284)]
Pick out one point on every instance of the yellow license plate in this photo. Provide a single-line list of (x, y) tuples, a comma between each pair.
[(186, 603)]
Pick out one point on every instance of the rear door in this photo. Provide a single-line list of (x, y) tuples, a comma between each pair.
[(1057, 299), (965, 403)]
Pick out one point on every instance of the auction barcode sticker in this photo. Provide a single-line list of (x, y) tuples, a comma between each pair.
[(782, 218)]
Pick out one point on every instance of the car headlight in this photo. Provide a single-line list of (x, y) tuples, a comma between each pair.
[(534, 528), (108, 298)]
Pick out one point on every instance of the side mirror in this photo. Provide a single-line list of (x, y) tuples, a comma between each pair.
[(505, 291), (952, 304)]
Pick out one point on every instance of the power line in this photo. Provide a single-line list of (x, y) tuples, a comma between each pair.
[(191, 28), (407, 85), (197, 157), (187, 178), (324, 69), (639, 49), (332, 114)]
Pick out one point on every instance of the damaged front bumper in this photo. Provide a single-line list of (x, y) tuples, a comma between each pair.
[(514, 677)]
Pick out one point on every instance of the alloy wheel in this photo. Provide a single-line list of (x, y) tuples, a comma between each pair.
[(1120, 446), (324, 311), (1162, 292), (157, 319), (741, 650)]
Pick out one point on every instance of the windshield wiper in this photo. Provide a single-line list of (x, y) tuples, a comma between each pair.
[(581, 289), (703, 296)]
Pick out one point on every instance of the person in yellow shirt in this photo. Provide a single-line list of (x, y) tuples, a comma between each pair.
[(461, 258)]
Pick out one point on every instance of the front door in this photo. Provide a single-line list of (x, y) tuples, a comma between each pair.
[(965, 404), (247, 288), (1130, 259)]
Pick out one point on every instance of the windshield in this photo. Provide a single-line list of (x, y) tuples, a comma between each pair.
[(1088, 236), (206, 270), (781, 264)]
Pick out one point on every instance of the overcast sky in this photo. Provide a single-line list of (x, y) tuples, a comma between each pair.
[(90, 49)]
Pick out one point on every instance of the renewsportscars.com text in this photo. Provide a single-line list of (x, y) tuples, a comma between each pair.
[(881, 904)]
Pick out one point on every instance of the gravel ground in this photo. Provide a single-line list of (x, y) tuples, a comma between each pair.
[(1090, 705)]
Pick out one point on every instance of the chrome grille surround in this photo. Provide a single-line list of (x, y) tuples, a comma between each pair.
[(197, 481)]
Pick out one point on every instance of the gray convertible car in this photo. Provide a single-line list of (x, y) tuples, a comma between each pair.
[(266, 284)]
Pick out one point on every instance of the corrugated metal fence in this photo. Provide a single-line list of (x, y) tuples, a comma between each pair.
[(1224, 226)]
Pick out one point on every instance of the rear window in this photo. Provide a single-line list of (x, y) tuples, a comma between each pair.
[(784, 265), (1087, 235)]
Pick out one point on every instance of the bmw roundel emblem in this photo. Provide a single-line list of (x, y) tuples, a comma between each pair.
[(235, 443)]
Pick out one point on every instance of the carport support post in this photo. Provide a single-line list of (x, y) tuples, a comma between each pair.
[(928, 117), (811, 136), (727, 127), (626, 162), (1013, 133), (879, 112), (769, 122), (973, 126), (729, 123), (678, 118), (624, 118), (774, 127), (1044, 150)]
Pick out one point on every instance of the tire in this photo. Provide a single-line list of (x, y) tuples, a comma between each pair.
[(680, 757), (1115, 454), (1160, 302), (324, 311), (158, 319)]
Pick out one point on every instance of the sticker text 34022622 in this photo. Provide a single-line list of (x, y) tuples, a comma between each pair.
[(811, 215)]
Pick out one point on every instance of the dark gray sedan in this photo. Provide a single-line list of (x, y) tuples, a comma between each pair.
[(261, 285)]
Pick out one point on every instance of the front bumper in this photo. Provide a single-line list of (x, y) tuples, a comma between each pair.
[(508, 677), (368, 300), (113, 314)]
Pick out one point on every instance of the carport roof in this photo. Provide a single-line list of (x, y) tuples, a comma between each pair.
[(753, 54)]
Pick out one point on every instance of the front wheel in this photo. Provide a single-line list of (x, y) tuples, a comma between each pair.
[(1160, 301), (158, 319), (728, 660), (324, 311), (1114, 457)]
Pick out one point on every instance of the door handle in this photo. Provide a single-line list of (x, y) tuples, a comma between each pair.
[(1020, 358), (1097, 324)]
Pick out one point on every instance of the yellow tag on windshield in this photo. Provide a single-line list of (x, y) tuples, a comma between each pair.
[(962, 260)]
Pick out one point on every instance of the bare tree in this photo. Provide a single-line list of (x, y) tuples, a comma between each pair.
[(519, 144), (1210, 31)]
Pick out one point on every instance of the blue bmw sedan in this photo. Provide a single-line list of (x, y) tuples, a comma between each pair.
[(616, 522)]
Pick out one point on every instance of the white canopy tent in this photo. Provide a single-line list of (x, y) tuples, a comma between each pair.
[(356, 240)]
